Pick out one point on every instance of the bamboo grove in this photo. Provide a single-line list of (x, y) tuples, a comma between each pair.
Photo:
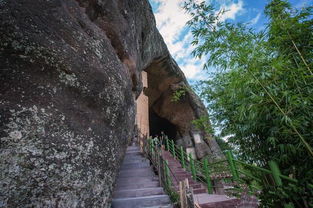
[(260, 91)]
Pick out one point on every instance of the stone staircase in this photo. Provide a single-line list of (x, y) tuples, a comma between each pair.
[(201, 196), (137, 185)]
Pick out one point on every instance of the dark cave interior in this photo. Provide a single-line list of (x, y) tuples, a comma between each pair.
[(158, 124)]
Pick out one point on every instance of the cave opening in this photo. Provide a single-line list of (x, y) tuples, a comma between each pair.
[(159, 124), (154, 114)]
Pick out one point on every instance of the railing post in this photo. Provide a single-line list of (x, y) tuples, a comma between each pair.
[(173, 149), (232, 165), (276, 176), (167, 174), (159, 167), (275, 172), (207, 175), (150, 145), (192, 167), (182, 156)]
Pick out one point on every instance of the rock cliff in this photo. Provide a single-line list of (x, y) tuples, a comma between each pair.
[(70, 72)]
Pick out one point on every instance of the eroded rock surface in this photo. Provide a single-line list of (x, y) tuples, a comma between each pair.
[(165, 78), (69, 74)]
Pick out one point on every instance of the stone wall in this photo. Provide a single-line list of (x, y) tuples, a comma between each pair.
[(142, 109)]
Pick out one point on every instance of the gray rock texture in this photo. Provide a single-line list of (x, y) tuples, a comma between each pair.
[(69, 74)]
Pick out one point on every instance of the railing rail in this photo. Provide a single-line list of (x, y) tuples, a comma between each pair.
[(153, 151), (240, 173)]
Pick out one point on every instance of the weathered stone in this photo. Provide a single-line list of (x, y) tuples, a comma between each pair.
[(70, 71), (165, 78)]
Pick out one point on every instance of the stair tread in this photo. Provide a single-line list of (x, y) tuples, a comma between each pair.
[(143, 189), (139, 170), (205, 198), (138, 192), (137, 202), (141, 198), (129, 186), (162, 206)]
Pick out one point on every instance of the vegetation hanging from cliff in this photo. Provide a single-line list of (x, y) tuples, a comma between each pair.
[(261, 91)]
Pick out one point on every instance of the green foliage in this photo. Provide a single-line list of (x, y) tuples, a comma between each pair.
[(224, 145), (174, 196), (203, 123), (179, 94), (261, 92)]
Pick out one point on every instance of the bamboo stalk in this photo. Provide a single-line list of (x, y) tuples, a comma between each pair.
[(300, 54), (307, 146)]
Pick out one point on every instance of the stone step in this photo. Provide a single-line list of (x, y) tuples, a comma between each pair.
[(134, 166), (176, 166), (133, 148), (174, 162), (181, 178), (136, 180), (135, 173), (191, 182), (133, 156), (194, 186), (199, 191), (212, 200), (165, 206), (135, 185), (138, 202), (133, 152), (139, 170), (135, 161), (130, 155), (138, 192), (181, 172)]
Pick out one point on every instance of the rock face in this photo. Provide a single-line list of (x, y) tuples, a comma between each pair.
[(70, 72), (178, 117)]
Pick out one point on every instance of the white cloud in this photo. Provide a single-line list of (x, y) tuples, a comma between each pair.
[(232, 10), (255, 19), (171, 20), (191, 70)]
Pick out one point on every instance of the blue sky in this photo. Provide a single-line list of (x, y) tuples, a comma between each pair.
[(171, 20)]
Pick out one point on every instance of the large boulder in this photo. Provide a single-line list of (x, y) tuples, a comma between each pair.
[(69, 75)]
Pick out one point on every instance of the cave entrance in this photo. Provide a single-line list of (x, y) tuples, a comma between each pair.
[(156, 80), (159, 124)]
